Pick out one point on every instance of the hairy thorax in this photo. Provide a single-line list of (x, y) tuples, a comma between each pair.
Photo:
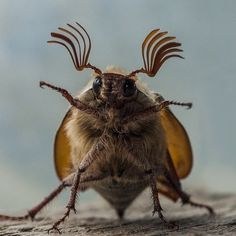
[(130, 147)]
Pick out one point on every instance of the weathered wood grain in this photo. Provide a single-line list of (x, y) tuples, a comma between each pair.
[(97, 218)]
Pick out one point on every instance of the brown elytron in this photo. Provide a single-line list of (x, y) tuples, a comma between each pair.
[(118, 137)]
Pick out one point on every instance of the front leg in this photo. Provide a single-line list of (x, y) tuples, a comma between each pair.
[(89, 158), (75, 102), (153, 109)]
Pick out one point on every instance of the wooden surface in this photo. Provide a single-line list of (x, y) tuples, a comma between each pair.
[(97, 218)]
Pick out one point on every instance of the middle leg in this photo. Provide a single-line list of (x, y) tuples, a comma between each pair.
[(92, 155)]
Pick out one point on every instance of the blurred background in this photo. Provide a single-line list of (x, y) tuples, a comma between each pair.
[(29, 116)]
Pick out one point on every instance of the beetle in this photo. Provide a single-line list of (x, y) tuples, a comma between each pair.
[(118, 137)]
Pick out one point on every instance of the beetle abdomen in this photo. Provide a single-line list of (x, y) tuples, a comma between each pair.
[(119, 192)]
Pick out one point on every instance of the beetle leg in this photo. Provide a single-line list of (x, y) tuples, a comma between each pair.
[(184, 196), (85, 163), (156, 202), (67, 182), (153, 109), (73, 101), (35, 210)]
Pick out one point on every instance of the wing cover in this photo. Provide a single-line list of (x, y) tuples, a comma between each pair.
[(178, 143), (179, 155), (62, 150)]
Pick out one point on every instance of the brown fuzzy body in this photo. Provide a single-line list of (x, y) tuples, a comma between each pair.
[(130, 149)]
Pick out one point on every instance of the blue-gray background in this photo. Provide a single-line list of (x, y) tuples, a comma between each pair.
[(29, 116)]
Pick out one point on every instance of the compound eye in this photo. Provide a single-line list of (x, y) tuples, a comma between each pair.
[(97, 84), (129, 87)]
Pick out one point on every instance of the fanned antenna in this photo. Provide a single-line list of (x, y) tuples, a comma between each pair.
[(78, 43), (156, 49)]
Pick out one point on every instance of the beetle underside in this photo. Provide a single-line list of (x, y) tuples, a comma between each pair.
[(117, 138)]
